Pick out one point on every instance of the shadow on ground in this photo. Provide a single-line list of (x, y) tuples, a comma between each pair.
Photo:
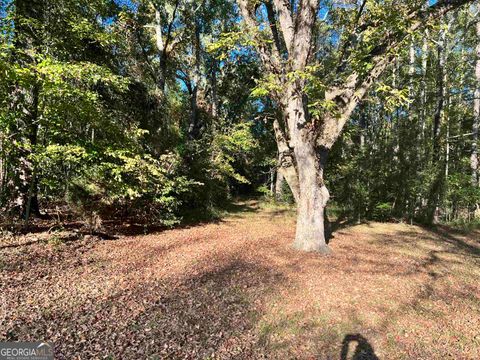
[(362, 348), (209, 315), (238, 291)]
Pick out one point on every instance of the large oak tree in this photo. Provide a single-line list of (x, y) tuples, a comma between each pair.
[(361, 44)]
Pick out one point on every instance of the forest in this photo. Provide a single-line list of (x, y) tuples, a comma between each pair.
[(173, 174)]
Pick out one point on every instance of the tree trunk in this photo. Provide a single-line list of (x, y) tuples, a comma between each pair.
[(476, 111), (411, 70), (310, 162), (442, 86), (423, 86), (476, 117), (288, 171), (440, 117), (162, 53), (286, 160), (310, 233), (440, 97), (214, 85), (194, 128), (25, 105), (28, 183)]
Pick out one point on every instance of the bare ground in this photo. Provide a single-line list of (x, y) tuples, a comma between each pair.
[(235, 289)]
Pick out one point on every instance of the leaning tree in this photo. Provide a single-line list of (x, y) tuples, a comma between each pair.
[(317, 71)]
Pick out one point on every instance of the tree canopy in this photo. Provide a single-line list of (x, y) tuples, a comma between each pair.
[(162, 110)]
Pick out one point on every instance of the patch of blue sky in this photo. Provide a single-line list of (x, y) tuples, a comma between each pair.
[(323, 13), (130, 4), (6, 26), (4, 4)]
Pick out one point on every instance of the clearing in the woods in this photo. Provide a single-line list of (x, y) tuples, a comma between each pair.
[(236, 289)]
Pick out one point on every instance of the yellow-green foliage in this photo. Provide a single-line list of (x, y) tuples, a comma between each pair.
[(227, 148)]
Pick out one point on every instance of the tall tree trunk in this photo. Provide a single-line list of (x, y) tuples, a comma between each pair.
[(476, 110), (310, 232), (214, 86), (440, 95), (162, 53), (27, 199), (310, 163), (163, 43), (476, 116), (25, 105), (439, 118), (194, 128), (423, 86), (411, 70)]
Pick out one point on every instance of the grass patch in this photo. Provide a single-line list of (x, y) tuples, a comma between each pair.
[(56, 241)]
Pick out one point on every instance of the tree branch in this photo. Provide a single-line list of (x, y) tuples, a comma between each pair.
[(348, 96), (347, 99), (302, 37), (286, 23), (273, 27), (269, 61), (170, 26), (345, 47)]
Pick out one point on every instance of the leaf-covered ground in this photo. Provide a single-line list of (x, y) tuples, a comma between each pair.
[(236, 290)]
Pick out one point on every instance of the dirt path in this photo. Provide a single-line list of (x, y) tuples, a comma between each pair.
[(235, 289)]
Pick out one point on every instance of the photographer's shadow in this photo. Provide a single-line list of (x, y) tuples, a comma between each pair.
[(363, 349)]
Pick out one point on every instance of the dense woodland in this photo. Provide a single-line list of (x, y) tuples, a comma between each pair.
[(159, 157), (158, 111)]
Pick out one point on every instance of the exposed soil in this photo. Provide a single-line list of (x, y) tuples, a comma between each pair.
[(235, 289)]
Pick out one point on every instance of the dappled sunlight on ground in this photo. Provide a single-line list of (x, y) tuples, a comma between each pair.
[(236, 289)]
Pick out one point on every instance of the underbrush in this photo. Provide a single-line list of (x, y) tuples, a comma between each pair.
[(464, 225)]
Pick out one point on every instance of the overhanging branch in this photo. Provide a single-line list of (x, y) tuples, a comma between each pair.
[(355, 88)]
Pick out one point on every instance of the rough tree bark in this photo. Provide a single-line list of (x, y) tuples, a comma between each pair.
[(214, 90), (25, 102), (423, 86), (305, 141), (441, 89), (476, 109), (194, 128), (411, 69), (278, 189), (29, 202), (439, 118), (476, 114), (162, 76), (286, 161)]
